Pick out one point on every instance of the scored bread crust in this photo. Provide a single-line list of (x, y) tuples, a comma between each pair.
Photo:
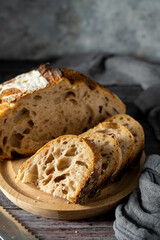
[(75, 78), (51, 77), (87, 181), (28, 92), (137, 131)]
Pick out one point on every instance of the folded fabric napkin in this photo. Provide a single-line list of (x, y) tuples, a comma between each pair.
[(109, 70), (139, 217)]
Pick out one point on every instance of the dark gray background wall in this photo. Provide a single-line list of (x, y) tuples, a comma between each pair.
[(41, 29)]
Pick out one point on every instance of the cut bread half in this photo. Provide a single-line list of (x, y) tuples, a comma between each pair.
[(67, 167), (110, 152), (124, 139), (137, 131), (43, 104)]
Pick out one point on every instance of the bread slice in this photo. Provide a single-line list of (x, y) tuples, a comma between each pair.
[(43, 104), (66, 167), (137, 131), (125, 141), (110, 152)]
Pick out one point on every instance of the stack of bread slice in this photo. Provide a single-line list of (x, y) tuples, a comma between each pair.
[(124, 139), (65, 166)]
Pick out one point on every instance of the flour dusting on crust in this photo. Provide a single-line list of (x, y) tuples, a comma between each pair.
[(24, 83)]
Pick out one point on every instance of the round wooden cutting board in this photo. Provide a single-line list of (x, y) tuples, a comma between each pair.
[(29, 198)]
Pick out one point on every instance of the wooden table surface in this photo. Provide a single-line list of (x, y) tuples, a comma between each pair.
[(100, 227)]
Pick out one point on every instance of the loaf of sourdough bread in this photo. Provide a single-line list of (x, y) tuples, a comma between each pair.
[(137, 131), (67, 167), (43, 104), (125, 140)]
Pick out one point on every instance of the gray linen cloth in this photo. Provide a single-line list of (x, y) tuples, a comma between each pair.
[(109, 70), (139, 217)]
